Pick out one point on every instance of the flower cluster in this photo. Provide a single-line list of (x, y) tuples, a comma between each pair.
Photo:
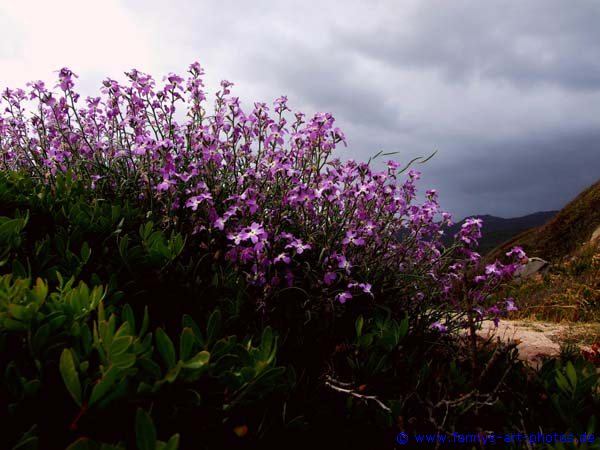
[(263, 185)]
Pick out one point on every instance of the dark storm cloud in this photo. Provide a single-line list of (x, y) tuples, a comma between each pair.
[(516, 177), (537, 41)]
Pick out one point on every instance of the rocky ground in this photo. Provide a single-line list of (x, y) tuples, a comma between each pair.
[(538, 339)]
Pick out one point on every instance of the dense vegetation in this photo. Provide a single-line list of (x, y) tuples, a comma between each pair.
[(226, 283)]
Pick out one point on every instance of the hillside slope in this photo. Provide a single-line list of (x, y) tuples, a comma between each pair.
[(497, 230), (562, 235)]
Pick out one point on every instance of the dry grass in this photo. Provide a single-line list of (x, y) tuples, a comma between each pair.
[(585, 334), (562, 235), (569, 291)]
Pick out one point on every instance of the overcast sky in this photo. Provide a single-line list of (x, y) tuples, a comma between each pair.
[(507, 92)]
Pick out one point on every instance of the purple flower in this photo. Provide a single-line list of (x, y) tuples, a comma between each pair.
[(289, 277), (194, 202), (474, 257), (246, 255), (470, 231), (196, 69), (353, 238), (369, 228), (510, 304), (219, 223), (392, 166), (494, 310), (439, 327), (343, 297), (493, 269), (472, 223), (65, 77), (364, 287), (164, 186), (235, 237), (343, 263), (518, 253), (297, 245), (329, 278), (95, 178), (254, 233), (282, 258)]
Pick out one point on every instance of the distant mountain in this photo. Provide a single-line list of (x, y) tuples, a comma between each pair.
[(564, 233), (497, 230)]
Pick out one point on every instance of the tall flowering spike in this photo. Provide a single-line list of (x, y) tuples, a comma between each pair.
[(65, 77), (470, 231)]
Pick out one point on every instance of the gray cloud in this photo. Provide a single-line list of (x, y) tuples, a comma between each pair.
[(538, 41)]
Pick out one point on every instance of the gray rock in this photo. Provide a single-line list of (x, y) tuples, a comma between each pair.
[(533, 266), (595, 235)]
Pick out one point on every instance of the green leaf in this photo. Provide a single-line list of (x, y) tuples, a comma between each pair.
[(403, 329), (104, 385), (591, 427), (359, 325), (123, 361), (31, 387), (190, 323), (57, 321), (173, 443), (267, 340), (165, 348), (198, 361), (186, 343), (40, 338), (150, 366), (145, 322), (86, 339), (87, 444), (145, 433), (365, 340), (562, 382), (572, 374), (174, 372), (145, 231), (120, 345), (129, 317), (85, 252), (69, 375), (40, 290), (213, 327), (30, 443), (19, 312)]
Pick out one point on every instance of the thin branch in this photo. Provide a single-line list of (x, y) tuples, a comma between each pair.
[(357, 395)]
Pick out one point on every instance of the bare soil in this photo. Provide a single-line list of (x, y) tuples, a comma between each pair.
[(539, 339)]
